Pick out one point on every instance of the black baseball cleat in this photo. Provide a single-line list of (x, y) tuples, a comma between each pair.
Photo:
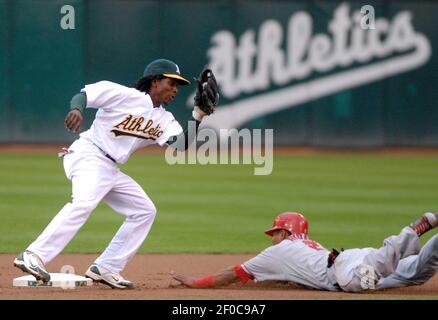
[(30, 263), (426, 222)]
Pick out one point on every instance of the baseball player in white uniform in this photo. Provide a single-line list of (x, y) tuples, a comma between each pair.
[(293, 257), (127, 119)]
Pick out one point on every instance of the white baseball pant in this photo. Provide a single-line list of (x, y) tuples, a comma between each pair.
[(94, 178)]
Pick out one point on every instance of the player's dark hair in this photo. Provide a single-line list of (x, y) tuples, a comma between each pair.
[(144, 84)]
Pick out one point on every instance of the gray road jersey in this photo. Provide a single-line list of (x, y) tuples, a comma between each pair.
[(298, 261)]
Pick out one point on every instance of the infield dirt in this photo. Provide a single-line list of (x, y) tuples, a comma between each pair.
[(149, 272)]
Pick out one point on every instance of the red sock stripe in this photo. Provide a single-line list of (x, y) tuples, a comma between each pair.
[(204, 282), (421, 226), (243, 276)]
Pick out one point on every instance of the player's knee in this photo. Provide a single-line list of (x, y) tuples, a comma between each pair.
[(434, 243), (153, 211), (149, 210)]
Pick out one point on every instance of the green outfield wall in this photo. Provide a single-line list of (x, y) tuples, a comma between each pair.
[(317, 72)]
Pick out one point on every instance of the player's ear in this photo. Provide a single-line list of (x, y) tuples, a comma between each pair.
[(154, 83), (285, 234)]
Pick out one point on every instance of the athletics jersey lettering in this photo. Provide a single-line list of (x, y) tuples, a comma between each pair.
[(133, 126)]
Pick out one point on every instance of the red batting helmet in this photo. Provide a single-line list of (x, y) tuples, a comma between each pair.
[(293, 222)]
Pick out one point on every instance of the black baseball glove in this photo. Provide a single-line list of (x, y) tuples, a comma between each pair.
[(207, 92)]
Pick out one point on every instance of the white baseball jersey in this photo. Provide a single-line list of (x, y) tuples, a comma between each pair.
[(126, 120), (296, 260)]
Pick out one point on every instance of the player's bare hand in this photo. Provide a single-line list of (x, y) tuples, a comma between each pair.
[(73, 120), (187, 281)]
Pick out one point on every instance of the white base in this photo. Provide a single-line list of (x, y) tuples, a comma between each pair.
[(57, 280)]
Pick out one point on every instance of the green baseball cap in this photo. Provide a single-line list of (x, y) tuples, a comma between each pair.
[(166, 68)]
